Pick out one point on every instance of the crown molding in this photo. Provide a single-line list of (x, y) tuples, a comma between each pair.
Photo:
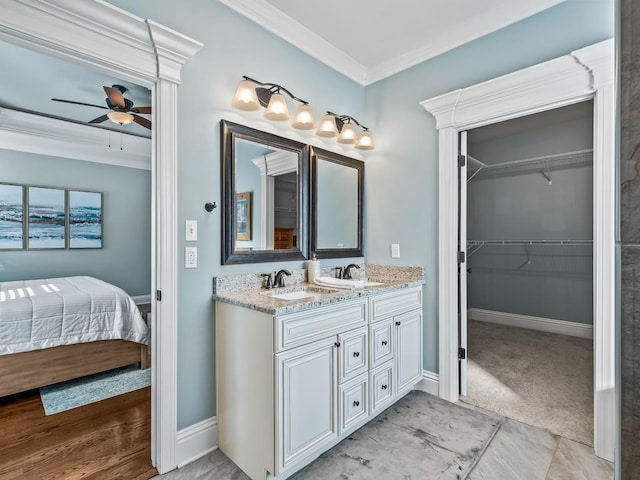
[(282, 25), (276, 163), (285, 27), (27, 132)]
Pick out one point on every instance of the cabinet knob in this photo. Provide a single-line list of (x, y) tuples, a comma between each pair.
[(337, 344), (398, 323), (356, 403), (384, 387), (356, 354), (384, 342)]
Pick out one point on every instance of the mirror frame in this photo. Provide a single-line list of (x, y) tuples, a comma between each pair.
[(321, 154), (229, 132)]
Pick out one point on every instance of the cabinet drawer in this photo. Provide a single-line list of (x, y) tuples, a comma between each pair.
[(381, 336), (352, 356), (301, 328), (381, 384), (354, 405), (383, 306)]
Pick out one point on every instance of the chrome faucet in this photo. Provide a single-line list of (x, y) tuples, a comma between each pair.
[(345, 272), (278, 281)]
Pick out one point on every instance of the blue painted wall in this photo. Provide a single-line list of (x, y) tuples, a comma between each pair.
[(125, 259), (401, 183)]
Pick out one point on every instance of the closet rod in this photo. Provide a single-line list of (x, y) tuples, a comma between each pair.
[(528, 242), (533, 160)]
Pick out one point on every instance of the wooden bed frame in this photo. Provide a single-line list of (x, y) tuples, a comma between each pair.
[(28, 370)]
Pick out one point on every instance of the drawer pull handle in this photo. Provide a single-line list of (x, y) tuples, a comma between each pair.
[(337, 344), (384, 387), (356, 354), (356, 403), (384, 343), (398, 323)]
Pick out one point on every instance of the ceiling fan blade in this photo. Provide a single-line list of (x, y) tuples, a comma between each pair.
[(79, 103), (142, 121), (100, 119), (144, 110), (115, 96)]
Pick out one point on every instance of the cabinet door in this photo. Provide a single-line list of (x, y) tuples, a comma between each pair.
[(408, 354), (306, 386), (381, 335), (352, 354), (353, 402), (381, 384)]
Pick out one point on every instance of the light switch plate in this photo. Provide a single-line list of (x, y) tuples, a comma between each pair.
[(190, 257), (191, 229), (395, 250)]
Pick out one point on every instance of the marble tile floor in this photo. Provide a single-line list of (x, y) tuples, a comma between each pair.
[(518, 452)]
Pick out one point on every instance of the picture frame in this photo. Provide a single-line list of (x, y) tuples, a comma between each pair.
[(12, 226), (243, 216), (85, 219), (46, 218)]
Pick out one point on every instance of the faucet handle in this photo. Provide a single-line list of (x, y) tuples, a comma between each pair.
[(339, 272), (269, 276)]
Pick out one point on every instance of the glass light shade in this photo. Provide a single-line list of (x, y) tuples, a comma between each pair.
[(304, 118), (348, 134), (327, 127), (277, 109), (121, 118), (245, 97), (365, 141)]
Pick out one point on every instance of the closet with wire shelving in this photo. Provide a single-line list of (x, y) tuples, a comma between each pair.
[(529, 269)]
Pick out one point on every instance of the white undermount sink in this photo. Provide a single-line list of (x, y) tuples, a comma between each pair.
[(300, 293)]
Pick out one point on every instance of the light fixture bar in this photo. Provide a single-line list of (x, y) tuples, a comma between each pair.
[(275, 88)]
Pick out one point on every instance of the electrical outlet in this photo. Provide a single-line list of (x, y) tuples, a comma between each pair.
[(191, 230), (190, 257), (395, 250)]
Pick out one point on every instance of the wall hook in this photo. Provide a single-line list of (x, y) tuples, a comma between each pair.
[(210, 206)]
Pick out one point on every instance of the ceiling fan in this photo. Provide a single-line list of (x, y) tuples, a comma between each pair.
[(122, 110)]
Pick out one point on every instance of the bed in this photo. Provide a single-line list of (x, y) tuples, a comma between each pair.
[(57, 329)]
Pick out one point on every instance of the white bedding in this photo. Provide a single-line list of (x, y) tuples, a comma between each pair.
[(37, 314)]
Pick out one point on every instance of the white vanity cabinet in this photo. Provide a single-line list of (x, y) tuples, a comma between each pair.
[(291, 386)]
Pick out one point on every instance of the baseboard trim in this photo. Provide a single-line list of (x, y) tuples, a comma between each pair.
[(196, 441), (549, 325), (141, 299), (429, 383)]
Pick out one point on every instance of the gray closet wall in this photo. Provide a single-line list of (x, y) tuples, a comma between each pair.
[(518, 203)]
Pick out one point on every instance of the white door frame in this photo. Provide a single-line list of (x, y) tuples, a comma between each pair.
[(584, 74), (105, 38)]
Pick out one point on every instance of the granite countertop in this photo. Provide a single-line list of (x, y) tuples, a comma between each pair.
[(258, 299)]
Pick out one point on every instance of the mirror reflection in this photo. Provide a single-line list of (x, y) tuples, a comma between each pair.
[(265, 190), (336, 200), (266, 197)]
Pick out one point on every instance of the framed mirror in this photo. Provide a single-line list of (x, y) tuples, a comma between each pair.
[(337, 194), (265, 193)]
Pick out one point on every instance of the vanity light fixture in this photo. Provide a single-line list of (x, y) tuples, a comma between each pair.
[(346, 125), (252, 94), (121, 118), (250, 97)]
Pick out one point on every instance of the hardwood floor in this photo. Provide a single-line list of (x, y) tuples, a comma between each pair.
[(109, 439)]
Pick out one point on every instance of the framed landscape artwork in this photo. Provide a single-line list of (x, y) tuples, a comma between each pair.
[(11, 216), (46, 218), (85, 219), (243, 216)]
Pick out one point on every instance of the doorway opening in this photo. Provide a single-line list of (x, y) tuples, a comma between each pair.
[(527, 313)]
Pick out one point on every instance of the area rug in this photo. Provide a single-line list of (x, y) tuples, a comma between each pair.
[(93, 388), (420, 437), (538, 378)]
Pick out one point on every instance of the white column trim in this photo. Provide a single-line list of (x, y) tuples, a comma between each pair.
[(100, 36), (584, 74)]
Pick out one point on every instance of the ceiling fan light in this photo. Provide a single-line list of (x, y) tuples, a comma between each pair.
[(327, 127), (365, 141), (348, 134), (121, 118), (245, 97), (303, 119), (277, 109)]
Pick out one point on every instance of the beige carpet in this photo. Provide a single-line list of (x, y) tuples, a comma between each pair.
[(541, 379)]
